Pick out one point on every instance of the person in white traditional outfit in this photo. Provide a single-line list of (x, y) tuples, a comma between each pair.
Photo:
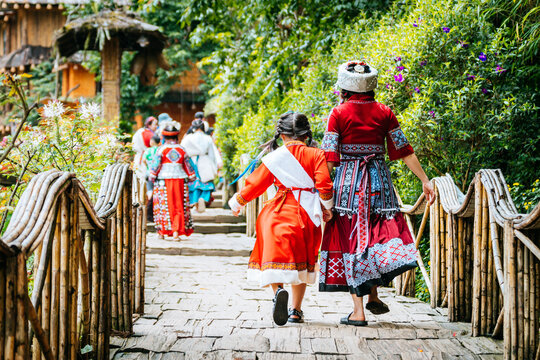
[(141, 141), (200, 148)]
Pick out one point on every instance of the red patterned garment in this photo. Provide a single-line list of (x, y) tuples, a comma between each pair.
[(170, 170), (367, 242), (287, 245)]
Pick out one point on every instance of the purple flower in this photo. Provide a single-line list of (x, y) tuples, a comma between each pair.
[(312, 115), (415, 24), (399, 68), (423, 63), (432, 113), (398, 77), (446, 29), (482, 57), (485, 91), (388, 86), (470, 77), (500, 69), (417, 89), (397, 58), (336, 92), (464, 44)]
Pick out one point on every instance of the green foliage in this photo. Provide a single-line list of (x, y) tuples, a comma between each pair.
[(525, 197), (461, 111), (521, 20), (262, 50)]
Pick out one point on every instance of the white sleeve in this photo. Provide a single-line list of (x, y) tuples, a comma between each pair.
[(328, 204), (234, 204)]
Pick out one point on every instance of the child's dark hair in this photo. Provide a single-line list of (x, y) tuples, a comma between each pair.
[(156, 139), (295, 125)]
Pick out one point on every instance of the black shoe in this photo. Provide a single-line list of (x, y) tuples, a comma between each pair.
[(377, 308), (281, 301), (294, 312), (347, 321)]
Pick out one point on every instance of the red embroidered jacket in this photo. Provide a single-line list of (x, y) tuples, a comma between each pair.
[(361, 125)]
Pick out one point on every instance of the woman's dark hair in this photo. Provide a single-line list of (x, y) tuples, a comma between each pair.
[(190, 130), (346, 94), (295, 125), (197, 124), (170, 137)]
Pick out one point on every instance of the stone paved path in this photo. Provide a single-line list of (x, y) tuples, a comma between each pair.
[(200, 307)]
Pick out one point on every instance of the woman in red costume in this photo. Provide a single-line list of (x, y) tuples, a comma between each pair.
[(170, 171), (289, 226), (367, 243)]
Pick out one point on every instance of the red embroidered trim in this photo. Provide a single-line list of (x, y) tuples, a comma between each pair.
[(241, 200), (360, 102), (294, 142), (282, 266), (326, 196)]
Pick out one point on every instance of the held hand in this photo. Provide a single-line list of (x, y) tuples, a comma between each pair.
[(236, 213), (327, 215), (427, 187)]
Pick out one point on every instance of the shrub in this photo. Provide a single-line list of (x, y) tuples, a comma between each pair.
[(462, 90)]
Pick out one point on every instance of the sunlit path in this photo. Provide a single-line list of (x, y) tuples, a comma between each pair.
[(198, 305)]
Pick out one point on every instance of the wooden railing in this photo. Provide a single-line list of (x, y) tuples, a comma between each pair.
[(484, 261), (72, 244)]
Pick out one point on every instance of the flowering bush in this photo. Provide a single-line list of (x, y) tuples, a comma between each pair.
[(67, 139), (525, 197)]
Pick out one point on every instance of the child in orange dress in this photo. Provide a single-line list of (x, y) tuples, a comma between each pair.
[(289, 225)]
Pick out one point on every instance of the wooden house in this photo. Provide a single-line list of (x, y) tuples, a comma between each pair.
[(27, 30)]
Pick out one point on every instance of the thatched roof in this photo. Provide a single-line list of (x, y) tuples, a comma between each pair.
[(25, 56), (89, 33)]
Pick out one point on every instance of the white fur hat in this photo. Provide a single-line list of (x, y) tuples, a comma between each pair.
[(363, 78)]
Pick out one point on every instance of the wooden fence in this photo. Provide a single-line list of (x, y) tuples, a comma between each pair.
[(86, 259), (484, 261)]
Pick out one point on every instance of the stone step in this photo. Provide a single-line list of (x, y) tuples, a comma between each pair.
[(223, 228), (189, 251), (206, 217), (217, 204), (218, 195), (211, 228)]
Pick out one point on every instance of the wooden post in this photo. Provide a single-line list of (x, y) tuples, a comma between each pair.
[(432, 240), (111, 228), (11, 314), (111, 56), (3, 266), (63, 329), (510, 320), (484, 263), (477, 239), (55, 286), (21, 332)]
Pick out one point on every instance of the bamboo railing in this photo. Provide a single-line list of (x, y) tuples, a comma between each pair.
[(68, 314), (484, 260)]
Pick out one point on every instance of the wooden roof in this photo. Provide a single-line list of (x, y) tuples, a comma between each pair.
[(25, 56), (84, 33)]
